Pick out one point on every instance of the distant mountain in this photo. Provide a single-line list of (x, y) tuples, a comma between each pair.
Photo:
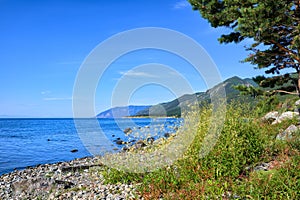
[(172, 108), (119, 112)]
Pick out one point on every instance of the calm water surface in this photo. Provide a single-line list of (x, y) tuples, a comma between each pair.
[(28, 142)]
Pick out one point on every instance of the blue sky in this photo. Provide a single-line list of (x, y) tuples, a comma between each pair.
[(43, 44)]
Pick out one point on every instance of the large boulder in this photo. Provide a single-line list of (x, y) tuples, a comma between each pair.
[(285, 116), (271, 116)]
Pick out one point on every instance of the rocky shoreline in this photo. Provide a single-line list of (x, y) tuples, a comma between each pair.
[(83, 178), (76, 179)]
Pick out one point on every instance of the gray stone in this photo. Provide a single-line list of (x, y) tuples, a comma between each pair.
[(32, 183), (166, 135), (74, 150), (119, 142), (127, 130), (285, 116), (297, 103), (287, 133), (150, 140), (139, 144), (271, 116), (262, 167), (297, 106)]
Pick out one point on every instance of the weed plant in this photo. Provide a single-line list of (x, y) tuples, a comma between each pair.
[(226, 172)]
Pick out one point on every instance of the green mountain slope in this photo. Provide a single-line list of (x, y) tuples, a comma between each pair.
[(172, 108)]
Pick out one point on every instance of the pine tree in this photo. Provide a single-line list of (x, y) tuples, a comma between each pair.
[(272, 26)]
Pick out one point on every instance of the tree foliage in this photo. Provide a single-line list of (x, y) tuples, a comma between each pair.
[(272, 26), (250, 90)]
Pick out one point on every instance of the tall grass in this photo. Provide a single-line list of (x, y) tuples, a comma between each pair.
[(225, 172)]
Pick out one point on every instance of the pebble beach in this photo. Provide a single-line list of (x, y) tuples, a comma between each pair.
[(76, 179)]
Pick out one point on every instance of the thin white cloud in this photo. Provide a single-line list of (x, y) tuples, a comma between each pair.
[(57, 99), (45, 92), (181, 5), (138, 74)]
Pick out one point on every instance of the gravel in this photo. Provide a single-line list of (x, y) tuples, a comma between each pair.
[(76, 179)]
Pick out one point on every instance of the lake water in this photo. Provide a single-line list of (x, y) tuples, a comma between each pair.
[(29, 142)]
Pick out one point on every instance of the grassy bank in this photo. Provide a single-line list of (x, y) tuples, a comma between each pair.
[(227, 172)]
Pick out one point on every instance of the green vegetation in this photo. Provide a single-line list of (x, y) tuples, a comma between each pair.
[(227, 171), (173, 108), (272, 26), (246, 142)]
